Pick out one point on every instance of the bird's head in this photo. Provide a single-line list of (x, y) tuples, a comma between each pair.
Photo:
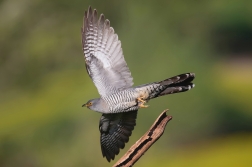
[(88, 104), (94, 104)]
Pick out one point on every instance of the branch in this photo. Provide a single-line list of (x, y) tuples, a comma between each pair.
[(145, 142)]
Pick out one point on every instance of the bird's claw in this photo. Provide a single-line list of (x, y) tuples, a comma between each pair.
[(140, 99), (141, 102), (141, 105)]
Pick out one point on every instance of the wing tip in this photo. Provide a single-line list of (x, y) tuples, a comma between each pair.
[(107, 23), (102, 18), (90, 11), (107, 154)]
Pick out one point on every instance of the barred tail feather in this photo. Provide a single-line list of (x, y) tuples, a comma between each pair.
[(176, 84)]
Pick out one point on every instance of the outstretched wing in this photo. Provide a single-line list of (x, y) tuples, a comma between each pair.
[(115, 132), (105, 63)]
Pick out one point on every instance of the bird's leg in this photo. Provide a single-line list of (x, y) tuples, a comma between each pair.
[(140, 99), (141, 102)]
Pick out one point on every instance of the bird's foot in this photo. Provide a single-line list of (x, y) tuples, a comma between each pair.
[(140, 99), (141, 102), (141, 105)]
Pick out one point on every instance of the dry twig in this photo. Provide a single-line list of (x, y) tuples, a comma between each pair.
[(145, 142)]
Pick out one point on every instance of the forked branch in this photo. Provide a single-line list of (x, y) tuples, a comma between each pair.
[(145, 142)]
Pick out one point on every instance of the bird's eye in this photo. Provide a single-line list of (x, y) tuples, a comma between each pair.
[(90, 103)]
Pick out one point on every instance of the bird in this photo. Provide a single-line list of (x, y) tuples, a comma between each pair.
[(119, 101)]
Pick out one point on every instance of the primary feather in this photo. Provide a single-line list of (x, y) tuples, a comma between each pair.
[(103, 55)]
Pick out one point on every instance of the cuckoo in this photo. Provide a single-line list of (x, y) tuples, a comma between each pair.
[(119, 101)]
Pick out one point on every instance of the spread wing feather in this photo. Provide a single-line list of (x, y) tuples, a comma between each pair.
[(103, 54), (115, 132)]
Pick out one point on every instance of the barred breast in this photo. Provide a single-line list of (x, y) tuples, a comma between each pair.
[(123, 101)]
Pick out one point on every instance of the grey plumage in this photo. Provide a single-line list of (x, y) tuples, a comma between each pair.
[(103, 55), (119, 101)]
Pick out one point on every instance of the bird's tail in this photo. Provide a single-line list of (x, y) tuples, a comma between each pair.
[(176, 84)]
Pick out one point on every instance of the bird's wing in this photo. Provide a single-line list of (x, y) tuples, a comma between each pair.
[(115, 132), (103, 54)]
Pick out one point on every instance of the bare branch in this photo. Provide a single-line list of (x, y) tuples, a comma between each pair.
[(145, 142)]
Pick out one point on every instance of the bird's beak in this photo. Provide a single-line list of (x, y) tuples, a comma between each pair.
[(86, 105)]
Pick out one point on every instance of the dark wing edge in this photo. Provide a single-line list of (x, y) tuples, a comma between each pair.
[(115, 131)]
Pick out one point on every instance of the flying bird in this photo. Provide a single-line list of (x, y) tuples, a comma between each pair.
[(119, 101)]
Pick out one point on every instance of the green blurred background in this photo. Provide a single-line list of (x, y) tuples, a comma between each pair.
[(43, 81)]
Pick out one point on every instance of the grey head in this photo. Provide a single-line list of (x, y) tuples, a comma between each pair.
[(96, 105)]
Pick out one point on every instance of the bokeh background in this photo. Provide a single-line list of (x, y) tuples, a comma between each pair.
[(43, 81)]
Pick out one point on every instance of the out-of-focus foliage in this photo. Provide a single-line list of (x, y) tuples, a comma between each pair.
[(43, 81)]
